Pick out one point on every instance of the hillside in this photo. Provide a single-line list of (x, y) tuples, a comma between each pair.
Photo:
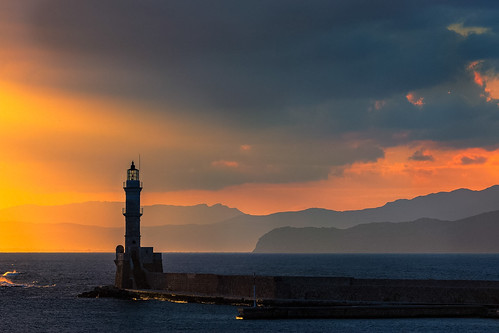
[(476, 234)]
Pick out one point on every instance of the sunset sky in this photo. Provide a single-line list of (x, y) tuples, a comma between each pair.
[(261, 105)]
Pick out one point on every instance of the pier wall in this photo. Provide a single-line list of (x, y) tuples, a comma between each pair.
[(328, 288), (388, 290), (237, 286)]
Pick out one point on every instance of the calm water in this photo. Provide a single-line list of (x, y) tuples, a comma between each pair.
[(42, 296)]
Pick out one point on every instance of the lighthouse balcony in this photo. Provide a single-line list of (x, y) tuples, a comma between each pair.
[(134, 212)]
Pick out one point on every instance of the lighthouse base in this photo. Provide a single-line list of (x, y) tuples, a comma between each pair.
[(132, 268)]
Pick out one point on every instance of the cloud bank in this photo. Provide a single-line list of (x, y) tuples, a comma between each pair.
[(304, 86)]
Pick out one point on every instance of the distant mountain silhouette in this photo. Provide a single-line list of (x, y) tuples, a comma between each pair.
[(453, 205), (220, 228), (443, 205), (476, 234), (108, 214)]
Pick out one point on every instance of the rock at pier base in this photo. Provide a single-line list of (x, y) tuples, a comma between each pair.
[(109, 292)]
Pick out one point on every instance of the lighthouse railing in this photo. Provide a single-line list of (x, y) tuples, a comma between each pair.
[(123, 210)]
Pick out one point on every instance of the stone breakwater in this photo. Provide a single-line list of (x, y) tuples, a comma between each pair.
[(340, 289), (320, 297), (299, 297), (320, 289)]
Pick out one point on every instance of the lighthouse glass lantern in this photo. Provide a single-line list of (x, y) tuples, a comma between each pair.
[(132, 174)]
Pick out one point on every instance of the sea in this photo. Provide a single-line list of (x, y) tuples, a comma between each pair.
[(38, 292)]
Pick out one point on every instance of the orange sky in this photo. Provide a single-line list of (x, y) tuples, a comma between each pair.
[(37, 125), (361, 185), (63, 140), (34, 176)]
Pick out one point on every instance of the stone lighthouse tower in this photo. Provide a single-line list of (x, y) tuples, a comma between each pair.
[(132, 210), (134, 263)]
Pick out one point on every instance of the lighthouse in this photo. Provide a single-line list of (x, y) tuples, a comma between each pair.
[(132, 210), (134, 263)]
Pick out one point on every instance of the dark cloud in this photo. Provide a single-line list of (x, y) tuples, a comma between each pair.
[(310, 85), (256, 59), (419, 155), (467, 160), (284, 162)]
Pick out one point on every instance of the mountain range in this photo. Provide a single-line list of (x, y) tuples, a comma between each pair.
[(99, 226)]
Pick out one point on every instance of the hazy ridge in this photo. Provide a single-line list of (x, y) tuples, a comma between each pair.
[(108, 214), (99, 226)]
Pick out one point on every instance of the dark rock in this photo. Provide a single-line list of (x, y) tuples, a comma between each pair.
[(107, 291)]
